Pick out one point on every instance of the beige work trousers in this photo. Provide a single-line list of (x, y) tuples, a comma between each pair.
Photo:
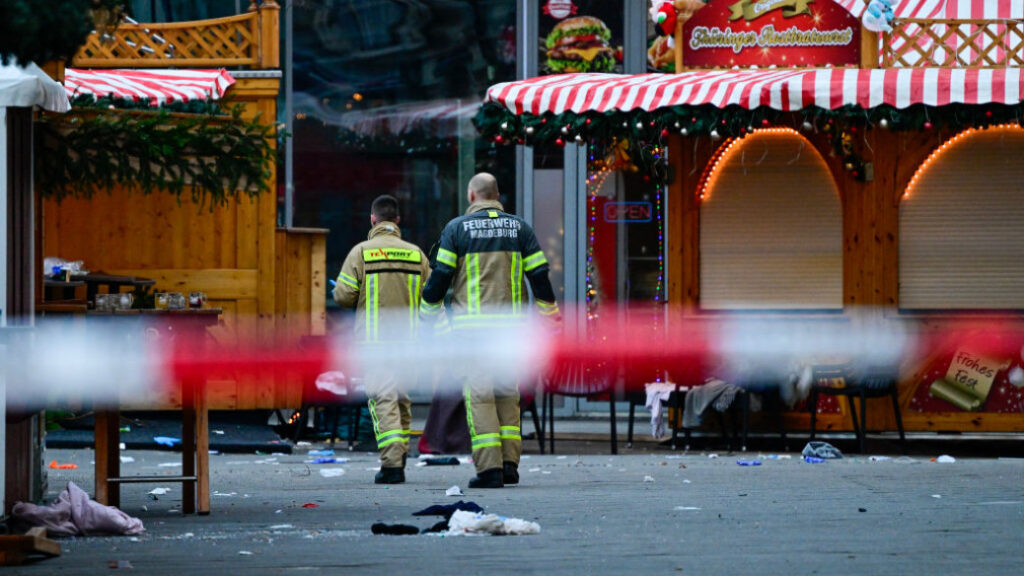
[(492, 412), (391, 411)]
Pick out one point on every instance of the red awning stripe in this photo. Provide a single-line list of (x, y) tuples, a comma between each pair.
[(153, 86), (789, 89)]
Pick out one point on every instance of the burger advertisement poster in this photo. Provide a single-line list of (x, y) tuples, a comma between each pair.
[(581, 36), (763, 33)]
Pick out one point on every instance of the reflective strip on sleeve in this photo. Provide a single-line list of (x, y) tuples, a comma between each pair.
[(391, 254), (473, 284), (372, 306), (547, 308), (414, 301), (447, 257), (517, 282), (534, 260), (348, 280)]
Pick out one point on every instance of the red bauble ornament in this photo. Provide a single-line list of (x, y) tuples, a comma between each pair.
[(664, 133), (988, 113), (499, 139), (587, 121), (765, 123), (927, 125), (853, 129), (560, 143)]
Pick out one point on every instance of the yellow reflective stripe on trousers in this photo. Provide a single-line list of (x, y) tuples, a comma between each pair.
[(473, 283), (391, 437), (517, 282), (486, 441), (511, 433), (534, 260), (477, 440), (447, 257), (372, 307)]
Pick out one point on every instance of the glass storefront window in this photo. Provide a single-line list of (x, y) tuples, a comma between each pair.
[(384, 96)]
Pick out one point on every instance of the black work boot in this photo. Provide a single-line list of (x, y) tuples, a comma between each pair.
[(510, 473), (488, 479), (390, 476)]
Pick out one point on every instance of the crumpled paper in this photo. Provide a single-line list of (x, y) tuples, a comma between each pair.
[(74, 514), (463, 522)]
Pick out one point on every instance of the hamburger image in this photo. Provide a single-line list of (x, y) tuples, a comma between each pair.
[(580, 45)]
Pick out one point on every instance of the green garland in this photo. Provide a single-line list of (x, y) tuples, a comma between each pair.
[(648, 131), (214, 157), (211, 107)]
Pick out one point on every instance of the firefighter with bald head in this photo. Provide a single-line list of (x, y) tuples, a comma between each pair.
[(487, 256), (382, 278)]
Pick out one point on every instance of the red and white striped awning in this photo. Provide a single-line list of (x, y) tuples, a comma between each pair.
[(789, 89), (154, 86)]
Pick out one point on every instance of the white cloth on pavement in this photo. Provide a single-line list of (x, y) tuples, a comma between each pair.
[(657, 393), (463, 522), (74, 514)]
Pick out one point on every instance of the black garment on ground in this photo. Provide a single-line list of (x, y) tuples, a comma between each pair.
[(394, 529), (447, 510), (446, 430)]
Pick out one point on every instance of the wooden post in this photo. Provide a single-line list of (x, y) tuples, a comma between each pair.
[(269, 48), (869, 50), (679, 45)]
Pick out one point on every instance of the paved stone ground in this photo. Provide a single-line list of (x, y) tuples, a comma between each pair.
[(598, 515)]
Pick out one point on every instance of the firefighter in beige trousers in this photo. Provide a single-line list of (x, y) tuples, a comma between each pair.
[(382, 278), (486, 255)]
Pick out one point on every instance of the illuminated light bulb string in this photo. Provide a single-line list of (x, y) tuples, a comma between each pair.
[(722, 155), (946, 146), (597, 173)]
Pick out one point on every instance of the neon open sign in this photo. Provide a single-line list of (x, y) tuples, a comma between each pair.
[(629, 212)]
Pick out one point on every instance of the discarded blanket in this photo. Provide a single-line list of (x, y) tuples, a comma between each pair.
[(657, 394), (74, 514), (713, 392), (447, 510), (463, 522)]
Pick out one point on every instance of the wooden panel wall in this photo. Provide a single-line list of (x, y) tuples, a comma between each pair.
[(229, 253), (870, 259)]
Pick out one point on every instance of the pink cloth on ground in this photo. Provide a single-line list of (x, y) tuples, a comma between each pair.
[(74, 514)]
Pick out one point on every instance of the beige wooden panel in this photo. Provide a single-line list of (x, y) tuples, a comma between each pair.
[(221, 284)]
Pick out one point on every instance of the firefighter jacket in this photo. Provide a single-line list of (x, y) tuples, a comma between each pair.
[(382, 278), (485, 255)]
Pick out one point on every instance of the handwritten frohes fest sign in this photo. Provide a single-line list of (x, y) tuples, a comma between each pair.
[(765, 33)]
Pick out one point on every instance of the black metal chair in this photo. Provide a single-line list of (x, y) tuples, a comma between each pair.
[(528, 403), (864, 383), (578, 380)]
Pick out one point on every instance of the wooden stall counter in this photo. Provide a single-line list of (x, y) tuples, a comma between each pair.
[(190, 324)]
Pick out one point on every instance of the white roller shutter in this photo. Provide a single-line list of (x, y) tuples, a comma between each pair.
[(771, 229), (961, 231)]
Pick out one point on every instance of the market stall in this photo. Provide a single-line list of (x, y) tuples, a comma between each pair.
[(811, 164)]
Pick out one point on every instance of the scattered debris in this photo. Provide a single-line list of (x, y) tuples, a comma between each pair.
[(878, 458), (712, 455), (127, 459), (166, 441), (686, 508), (813, 460), (945, 459), (862, 509), (463, 522), (648, 478), (394, 529), (281, 527), (245, 553), (562, 457), (321, 452), (534, 470), (447, 510), (936, 495), (54, 465), (302, 443), (449, 461), (326, 461), (218, 432), (74, 514), (818, 449), (453, 491), (120, 565), (169, 464), (332, 472), (749, 462), (159, 491), (310, 505)]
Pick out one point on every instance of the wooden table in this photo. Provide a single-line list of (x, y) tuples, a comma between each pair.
[(190, 323)]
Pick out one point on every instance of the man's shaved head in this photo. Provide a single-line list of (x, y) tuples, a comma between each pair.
[(485, 186)]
